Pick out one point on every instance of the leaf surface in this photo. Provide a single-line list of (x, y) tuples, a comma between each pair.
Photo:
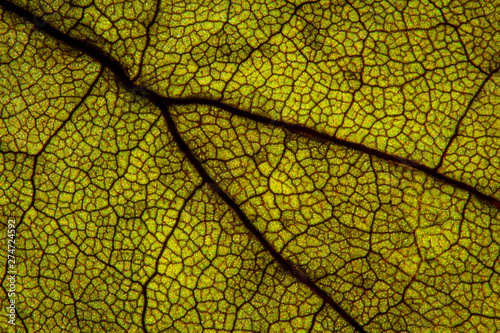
[(252, 167)]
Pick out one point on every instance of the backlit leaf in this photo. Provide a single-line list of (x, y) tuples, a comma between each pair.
[(263, 166)]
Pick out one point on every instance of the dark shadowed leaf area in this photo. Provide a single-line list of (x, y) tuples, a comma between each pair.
[(262, 166)]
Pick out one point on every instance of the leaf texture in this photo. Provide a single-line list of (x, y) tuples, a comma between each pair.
[(320, 166)]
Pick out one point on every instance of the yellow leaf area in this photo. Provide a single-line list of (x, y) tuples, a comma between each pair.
[(41, 82), (473, 157), (119, 228), (399, 250)]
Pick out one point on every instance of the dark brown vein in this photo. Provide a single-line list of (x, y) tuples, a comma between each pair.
[(311, 133), (457, 127)]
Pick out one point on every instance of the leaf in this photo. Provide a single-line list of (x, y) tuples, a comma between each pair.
[(251, 166)]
